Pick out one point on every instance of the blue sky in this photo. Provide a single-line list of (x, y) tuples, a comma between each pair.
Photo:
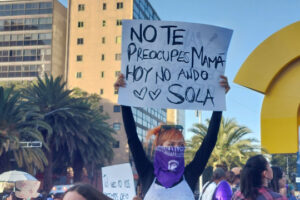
[(252, 22)]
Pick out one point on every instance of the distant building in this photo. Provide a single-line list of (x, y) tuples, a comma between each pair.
[(176, 116), (32, 39)]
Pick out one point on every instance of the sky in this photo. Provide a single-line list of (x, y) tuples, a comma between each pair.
[(252, 21)]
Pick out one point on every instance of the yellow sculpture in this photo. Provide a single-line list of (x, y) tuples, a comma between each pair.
[(273, 69)]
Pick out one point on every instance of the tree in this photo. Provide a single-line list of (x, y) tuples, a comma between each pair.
[(19, 124), (287, 162), (232, 148), (79, 135), (99, 134)]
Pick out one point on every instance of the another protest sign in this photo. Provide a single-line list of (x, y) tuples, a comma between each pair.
[(173, 64), (118, 182)]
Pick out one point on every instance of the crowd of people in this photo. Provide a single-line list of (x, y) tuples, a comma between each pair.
[(167, 177)]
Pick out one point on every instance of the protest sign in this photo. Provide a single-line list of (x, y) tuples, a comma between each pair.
[(173, 64), (118, 182)]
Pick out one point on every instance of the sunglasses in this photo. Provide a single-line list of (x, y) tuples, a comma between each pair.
[(168, 127)]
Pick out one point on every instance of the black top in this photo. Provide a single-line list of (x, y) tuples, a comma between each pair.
[(145, 167)]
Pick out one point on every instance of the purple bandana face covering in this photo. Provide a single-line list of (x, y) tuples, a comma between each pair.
[(169, 165)]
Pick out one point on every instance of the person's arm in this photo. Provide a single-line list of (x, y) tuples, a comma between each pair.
[(196, 167), (143, 166)]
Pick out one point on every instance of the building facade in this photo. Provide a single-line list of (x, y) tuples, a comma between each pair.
[(32, 39), (176, 116), (94, 60)]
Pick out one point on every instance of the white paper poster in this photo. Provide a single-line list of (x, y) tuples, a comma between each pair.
[(173, 64), (27, 189), (118, 182)]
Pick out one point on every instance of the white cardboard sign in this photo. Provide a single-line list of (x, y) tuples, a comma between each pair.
[(118, 182), (173, 64)]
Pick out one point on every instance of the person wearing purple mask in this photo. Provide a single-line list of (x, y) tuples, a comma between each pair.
[(168, 177)]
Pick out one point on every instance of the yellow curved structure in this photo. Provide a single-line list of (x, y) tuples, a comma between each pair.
[(273, 69)]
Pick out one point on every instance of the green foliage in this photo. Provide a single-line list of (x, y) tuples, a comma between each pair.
[(69, 123), (232, 149), (77, 127), (18, 124), (287, 162)]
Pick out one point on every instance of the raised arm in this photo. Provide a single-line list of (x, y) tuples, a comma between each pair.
[(196, 167), (143, 166), (139, 156)]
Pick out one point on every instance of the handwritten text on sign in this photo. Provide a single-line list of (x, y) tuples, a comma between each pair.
[(173, 64), (118, 182)]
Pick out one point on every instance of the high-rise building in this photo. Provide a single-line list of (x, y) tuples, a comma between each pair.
[(32, 39), (176, 116), (94, 59)]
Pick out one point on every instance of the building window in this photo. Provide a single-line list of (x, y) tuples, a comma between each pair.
[(119, 22), (116, 91), (102, 74), (117, 56), (118, 39), (117, 73), (81, 7), (117, 108), (119, 5), (117, 126), (103, 40), (78, 75), (79, 41), (80, 24), (116, 144), (104, 6), (101, 91), (103, 23), (102, 57), (79, 58)]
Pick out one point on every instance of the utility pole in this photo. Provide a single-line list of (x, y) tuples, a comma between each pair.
[(287, 166), (198, 114)]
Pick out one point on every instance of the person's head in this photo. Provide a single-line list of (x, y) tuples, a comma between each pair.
[(218, 175), (279, 180), (230, 177), (255, 174), (167, 135), (237, 175), (83, 191)]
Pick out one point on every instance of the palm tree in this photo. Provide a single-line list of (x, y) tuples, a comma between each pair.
[(79, 136), (232, 147), (99, 135), (19, 124)]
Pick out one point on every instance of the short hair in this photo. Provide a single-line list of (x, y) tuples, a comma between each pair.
[(218, 174), (88, 192)]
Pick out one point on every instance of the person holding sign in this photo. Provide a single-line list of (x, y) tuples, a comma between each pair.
[(167, 177)]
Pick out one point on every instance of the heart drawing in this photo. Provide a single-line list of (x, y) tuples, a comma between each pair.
[(155, 94), (140, 94)]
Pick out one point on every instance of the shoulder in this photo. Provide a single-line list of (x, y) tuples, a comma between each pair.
[(224, 185), (271, 194)]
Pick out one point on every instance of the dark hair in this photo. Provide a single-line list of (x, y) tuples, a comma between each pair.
[(277, 175), (88, 192), (230, 177), (218, 174), (251, 176)]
